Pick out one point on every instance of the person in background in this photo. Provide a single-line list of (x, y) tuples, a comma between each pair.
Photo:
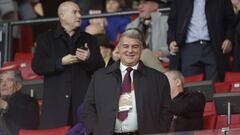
[(154, 26), (17, 111), (199, 37), (113, 25), (66, 57), (236, 64), (186, 106), (106, 49), (127, 97)]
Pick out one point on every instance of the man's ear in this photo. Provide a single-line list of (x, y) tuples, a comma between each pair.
[(178, 82)]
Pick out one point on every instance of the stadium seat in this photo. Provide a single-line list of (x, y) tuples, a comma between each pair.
[(222, 87), (232, 77), (194, 78), (209, 121), (54, 131), (13, 67), (19, 56), (222, 121), (209, 109), (235, 87)]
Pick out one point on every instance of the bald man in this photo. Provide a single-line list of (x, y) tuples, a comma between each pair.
[(186, 106), (66, 57)]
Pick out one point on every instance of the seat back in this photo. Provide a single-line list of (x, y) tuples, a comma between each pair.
[(209, 121), (232, 77), (235, 87), (194, 78), (222, 121), (54, 131), (222, 87), (209, 108)]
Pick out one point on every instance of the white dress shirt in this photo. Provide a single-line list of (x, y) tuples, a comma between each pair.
[(130, 123)]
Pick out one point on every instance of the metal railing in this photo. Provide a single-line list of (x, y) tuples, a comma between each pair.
[(9, 48)]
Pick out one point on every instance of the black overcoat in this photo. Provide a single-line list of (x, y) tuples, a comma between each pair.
[(152, 94), (64, 87)]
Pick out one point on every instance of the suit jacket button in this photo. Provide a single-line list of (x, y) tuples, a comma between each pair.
[(66, 96)]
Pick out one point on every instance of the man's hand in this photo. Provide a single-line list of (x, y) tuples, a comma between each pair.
[(226, 46), (3, 104), (69, 59), (173, 48), (83, 54)]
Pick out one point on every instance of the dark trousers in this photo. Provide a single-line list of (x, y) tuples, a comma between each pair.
[(198, 58)]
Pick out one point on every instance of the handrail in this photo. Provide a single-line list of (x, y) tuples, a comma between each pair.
[(83, 17), (34, 21)]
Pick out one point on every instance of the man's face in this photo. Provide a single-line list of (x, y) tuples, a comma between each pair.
[(71, 16), (112, 6), (145, 8), (129, 51), (106, 52), (8, 86)]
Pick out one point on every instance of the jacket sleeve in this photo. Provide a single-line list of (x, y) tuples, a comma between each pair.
[(172, 23), (150, 60), (166, 117), (188, 106), (229, 19), (89, 108), (44, 61), (95, 60), (24, 112)]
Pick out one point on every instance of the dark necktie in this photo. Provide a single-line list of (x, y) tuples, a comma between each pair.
[(126, 87)]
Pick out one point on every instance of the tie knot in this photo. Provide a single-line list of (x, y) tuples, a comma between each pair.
[(129, 69)]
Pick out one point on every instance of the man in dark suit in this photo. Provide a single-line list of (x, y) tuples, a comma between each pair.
[(66, 57), (127, 97), (17, 111), (186, 106), (199, 36)]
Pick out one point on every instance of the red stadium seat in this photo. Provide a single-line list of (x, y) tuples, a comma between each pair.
[(222, 121), (194, 78), (19, 56), (209, 121), (55, 131), (235, 87), (222, 87), (209, 108), (13, 67), (25, 67), (232, 77)]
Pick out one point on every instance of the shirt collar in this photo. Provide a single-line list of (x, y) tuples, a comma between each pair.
[(124, 67), (60, 31)]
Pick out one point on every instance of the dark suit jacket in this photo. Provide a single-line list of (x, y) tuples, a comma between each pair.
[(188, 107), (152, 100), (220, 20), (64, 87), (22, 113), (236, 66)]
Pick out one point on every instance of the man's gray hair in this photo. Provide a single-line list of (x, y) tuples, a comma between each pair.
[(134, 33), (17, 75)]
